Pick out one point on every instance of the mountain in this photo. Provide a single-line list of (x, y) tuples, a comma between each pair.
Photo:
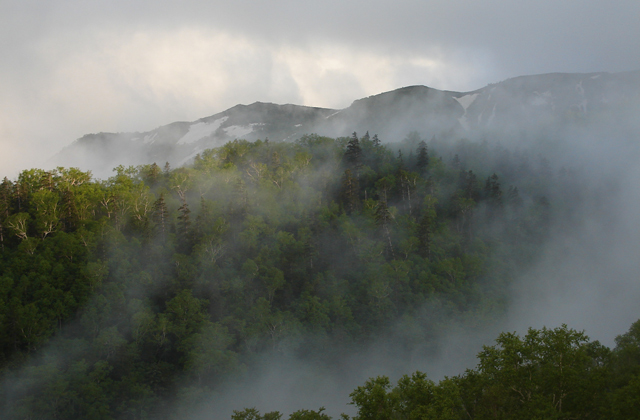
[(179, 142), (521, 106)]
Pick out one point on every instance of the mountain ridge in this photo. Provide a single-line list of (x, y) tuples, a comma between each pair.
[(510, 107)]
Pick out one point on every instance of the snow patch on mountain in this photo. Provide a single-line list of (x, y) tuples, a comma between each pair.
[(493, 115), (465, 101), (150, 139), (200, 130), (237, 131)]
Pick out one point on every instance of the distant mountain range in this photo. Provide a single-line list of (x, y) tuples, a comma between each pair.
[(521, 106)]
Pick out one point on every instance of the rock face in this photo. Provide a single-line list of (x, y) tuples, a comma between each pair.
[(521, 106)]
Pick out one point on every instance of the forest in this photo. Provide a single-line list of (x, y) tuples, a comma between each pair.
[(136, 296)]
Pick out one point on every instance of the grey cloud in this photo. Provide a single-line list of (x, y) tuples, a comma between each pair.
[(475, 43)]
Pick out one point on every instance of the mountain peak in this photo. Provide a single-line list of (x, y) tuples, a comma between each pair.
[(498, 110)]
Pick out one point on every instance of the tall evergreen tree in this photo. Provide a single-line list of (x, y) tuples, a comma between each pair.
[(161, 216), (366, 138), (350, 191), (353, 155), (184, 226), (492, 191), (468, 183), (423, 158), (153, 174), (383, 218)]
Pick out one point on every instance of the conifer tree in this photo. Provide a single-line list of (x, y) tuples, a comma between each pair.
[(353, 155), (492, 191), (350, 191), (423, 158), (153, 174), (376, 141), (383, 219), (469, 185), (160, 216), (184, 226)]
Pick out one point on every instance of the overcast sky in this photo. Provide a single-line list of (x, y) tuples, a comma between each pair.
[(71, 67)]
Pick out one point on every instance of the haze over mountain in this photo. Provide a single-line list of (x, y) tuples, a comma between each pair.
[(527, 104), (526, 190)]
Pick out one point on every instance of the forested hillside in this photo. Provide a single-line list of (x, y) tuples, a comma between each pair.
[(131, 297)]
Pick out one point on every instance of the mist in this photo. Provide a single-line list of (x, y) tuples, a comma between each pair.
[(586, 277), (125, 71)]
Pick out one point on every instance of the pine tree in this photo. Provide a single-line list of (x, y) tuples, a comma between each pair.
[(469, 185), (492, 191), (423, 158), (350, 191), (184, 226), (353, 155), (161, 216), (383, 219), (153, 174), (47, 181)]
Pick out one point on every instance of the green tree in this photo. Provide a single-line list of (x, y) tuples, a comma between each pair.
[(548, 373), (353, 155), (422, 161)]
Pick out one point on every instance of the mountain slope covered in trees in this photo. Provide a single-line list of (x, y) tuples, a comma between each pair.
[(133, 296), (147, 293)]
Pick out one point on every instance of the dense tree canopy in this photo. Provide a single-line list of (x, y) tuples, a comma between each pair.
[(115, 293)]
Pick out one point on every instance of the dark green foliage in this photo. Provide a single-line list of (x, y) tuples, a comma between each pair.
[(547, 374), (353, 155), (422, 161), (153, 279)]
